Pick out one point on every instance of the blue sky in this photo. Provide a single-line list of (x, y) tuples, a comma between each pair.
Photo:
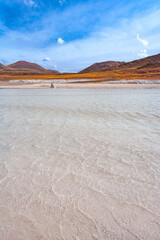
[(69, 35)]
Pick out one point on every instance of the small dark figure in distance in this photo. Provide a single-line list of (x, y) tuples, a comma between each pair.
[(52, 85)]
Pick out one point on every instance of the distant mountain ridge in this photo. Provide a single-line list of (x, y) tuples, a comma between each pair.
[(2, 67), (102, 66), (24, 67), (143, 63), (144, 68), (151, 62)]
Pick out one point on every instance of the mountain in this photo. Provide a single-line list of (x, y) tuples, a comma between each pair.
[(144, 68), (143, 63), (2, 67), (151, 63), (103, 66), (23, 66)]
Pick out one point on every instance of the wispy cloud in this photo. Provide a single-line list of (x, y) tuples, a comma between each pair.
[(60, 41), (47, 59), (143, 53), (30, 3), (61, 2), (143, 41), (102, 42)]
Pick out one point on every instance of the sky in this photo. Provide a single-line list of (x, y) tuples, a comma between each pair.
[(69, 35)]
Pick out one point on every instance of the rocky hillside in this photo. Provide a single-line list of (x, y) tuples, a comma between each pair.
[(103, 66), (23, 67), (151, 63)]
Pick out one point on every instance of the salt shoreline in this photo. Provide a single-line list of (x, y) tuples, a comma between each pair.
[(75, 85)]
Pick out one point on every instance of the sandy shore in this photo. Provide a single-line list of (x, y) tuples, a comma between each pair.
[(8, 85)]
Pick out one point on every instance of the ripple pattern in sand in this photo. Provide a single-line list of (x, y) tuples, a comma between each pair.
[(80, 164)]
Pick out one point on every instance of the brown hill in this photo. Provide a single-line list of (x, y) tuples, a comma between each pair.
[(23, 66), (2, 67), (150, 63), (145, 68), (143, 63), (100, 67)]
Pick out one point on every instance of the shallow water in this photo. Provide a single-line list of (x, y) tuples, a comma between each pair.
[(80, 164)]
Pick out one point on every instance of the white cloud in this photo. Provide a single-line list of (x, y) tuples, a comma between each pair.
[(143, 41), (61, 2), (117, 43), (60, 41), (47, 59), (143, 53), (30, 3)]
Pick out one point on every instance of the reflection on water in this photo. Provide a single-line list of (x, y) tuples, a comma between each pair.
[(80, 164)]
